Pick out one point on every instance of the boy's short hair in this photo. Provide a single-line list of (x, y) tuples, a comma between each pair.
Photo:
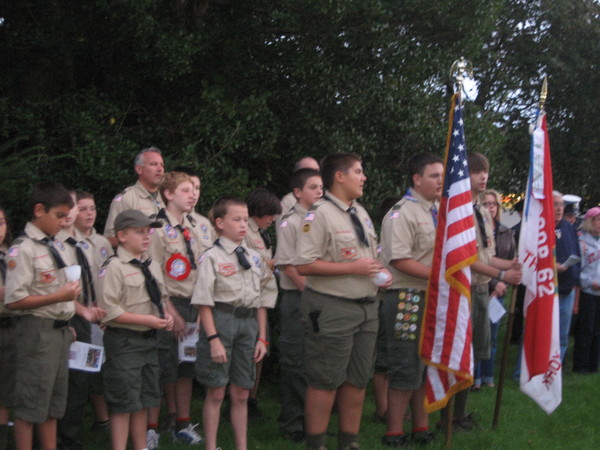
[(301, 176), (417, 164), (50, 194), (170, 181), (262, 202), (81, 195), (221, 206), (478, 163), (336, 162)]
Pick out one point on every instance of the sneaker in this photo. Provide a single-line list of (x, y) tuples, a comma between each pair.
[(152, 439), (101, 426), (395, 441), (188, 435), (422, 437)]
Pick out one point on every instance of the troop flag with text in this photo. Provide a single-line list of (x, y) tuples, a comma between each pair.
[(541, 367), (445, 342)]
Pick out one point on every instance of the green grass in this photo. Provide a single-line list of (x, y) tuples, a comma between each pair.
[(522, 425)]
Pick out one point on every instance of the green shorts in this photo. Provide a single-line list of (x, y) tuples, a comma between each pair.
[(167, 356), (482, 334), (238, 336), (381, 360), (402, 313), (42, 373), (340, 336), (8, 356), (189, 313), (131, 372)]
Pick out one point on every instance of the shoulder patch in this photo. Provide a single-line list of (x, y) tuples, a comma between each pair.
[(13, 252), (310, 216)]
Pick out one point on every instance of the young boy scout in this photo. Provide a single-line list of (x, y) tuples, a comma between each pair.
[(132, 294), (407, 243), (176, 248), (69, 427), (307, 187), (37, 287), (234, 320), (337, 252)]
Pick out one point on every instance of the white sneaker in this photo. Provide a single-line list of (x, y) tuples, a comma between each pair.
[(152, 439), (188, 435)]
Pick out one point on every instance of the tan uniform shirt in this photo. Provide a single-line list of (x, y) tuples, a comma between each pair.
[(255, 241), (408, 232), (287, 236), (288, 202), (97, 249), (484, 254), (204, 229), (169, 251), (31, 270), (122, 289), (327, 234), (222, 279), (133, 197)]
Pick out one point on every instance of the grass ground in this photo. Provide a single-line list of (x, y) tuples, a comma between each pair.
[(522, 425)]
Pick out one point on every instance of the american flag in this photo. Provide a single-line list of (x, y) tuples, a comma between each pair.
[(446, 333), (541, 367)]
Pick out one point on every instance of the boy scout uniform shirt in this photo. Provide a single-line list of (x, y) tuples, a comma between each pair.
[(204, 229), (327, 234), (287, 236), (408, 231), (97, 249), (169, 251), (123, 289), (484, 254), (133, 197), (255, 241), (222, 279), (31, 270)]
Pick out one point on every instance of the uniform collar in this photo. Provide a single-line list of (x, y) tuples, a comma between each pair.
[(252, 224), (420, 199), (340, 204), (125, 256), (145, 193), (34, 232), (228, 245)]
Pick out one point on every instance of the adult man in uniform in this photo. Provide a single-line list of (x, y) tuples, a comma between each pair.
[(407, 243), (143, 195), (337, 251)]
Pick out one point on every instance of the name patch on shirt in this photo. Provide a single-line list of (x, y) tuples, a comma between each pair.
[(226, 269)]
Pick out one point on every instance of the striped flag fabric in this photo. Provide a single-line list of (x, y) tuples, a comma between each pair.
[(445, 343), (541, 367)]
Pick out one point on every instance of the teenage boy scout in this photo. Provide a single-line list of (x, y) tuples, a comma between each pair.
[(36, 285), (407, 243), (143, 195), (337, 251)]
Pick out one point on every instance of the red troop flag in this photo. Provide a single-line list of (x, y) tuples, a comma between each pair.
[(446, 333), (541, 368)]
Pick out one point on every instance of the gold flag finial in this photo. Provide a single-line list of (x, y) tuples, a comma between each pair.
[(544, 93), (459, 69)]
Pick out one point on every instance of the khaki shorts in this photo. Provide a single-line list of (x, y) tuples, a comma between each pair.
[(238, 336), (402, 313), (42, 373), (340, 336), (131, 371)]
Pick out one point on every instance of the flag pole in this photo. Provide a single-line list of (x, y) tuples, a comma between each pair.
[(511, 313)]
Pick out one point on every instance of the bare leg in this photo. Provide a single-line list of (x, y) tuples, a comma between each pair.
[(47, 434), (380, 389), (239, 415), (119, 430), (350, 400), (23, 434), (211, 413), (420, 417), (171, 398), (318, 409), (100, 408), (137, 428), (398, 401), (183, 396)]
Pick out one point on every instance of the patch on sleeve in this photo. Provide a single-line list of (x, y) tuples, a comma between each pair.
[(310, 216), (394, 215), (102, 272), (201, 258), (11, 264), (283, 224), (13, 252), (118, 198)]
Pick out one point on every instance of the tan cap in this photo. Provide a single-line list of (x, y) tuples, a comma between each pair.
[(134, 218)]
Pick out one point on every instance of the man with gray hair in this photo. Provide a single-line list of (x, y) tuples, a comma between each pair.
[(143, 195)]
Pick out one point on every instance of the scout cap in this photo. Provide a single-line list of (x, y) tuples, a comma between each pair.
[(134, 218)]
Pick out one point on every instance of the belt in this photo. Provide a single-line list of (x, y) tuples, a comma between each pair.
[(359, 300), (8, 322), (148, 334), (240, 311), (60, 323)]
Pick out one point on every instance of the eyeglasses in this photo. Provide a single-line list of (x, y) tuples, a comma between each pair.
[(488, 204)]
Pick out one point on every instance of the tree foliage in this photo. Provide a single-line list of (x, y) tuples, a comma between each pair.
[(239, 90)]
